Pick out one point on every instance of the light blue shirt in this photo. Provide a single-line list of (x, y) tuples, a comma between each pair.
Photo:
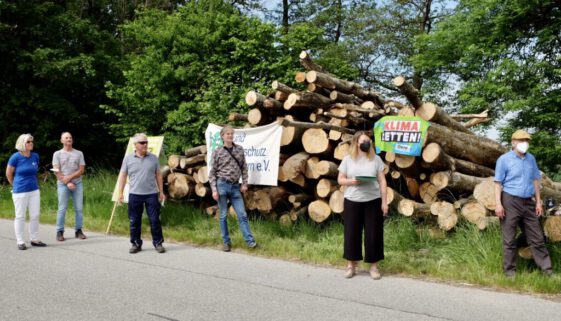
[(517, 174)]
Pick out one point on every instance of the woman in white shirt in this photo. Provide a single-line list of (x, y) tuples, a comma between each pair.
[(362, 172)]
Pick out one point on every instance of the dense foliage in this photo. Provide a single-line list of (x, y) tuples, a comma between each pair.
[(504, 55), (107, 69)]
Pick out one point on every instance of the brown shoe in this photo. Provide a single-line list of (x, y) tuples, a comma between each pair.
[(80, 235), (60, 236), (226, 247)]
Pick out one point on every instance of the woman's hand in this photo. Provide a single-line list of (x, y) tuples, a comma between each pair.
[(385, 209)]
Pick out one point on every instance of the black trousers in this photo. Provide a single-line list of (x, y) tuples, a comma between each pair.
[(136, 208), (367, 216), (520, 210)]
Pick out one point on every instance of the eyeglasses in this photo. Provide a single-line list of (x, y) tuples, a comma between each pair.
[(29, 142), (142, 143)]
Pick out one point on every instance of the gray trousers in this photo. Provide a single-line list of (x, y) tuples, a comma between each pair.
[(522, 209)]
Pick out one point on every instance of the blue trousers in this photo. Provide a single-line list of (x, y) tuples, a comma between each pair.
[(136, 208), (228, 191)]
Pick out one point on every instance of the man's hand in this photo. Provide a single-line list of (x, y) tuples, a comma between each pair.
[(243, 189), (162, 196), (539, 209), (121, 198), (500, 211), (215, 196)]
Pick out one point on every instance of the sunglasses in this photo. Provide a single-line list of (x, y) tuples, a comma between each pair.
[(142, 143)]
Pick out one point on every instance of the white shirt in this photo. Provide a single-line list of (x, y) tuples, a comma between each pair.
[(362, 166)]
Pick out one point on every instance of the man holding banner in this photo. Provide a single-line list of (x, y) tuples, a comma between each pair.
[(228, 165), (145, 179)]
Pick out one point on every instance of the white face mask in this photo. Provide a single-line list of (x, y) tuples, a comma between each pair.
[(522, 147)]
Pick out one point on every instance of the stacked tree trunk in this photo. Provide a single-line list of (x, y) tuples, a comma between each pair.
[(451, 180)]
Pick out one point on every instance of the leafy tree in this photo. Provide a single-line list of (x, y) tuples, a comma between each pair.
[(503, 56), (194, 66), (53, 67)]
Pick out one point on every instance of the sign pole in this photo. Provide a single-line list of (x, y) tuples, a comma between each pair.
[(111, 219)]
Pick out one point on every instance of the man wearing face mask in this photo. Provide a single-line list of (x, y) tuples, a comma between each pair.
[(517, 196)]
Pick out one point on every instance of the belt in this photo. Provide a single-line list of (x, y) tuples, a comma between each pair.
[(228, 181), (520, 198)]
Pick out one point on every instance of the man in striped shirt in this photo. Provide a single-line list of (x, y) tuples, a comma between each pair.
[(228, 165)]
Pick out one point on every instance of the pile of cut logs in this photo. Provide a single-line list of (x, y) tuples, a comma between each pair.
[(451, 180)]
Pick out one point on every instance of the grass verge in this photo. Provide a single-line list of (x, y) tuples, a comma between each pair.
[(465, 256)]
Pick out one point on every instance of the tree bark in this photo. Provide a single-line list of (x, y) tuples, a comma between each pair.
[(435, 158), (321, 125), (433, 113), (295, 165), (337, 96), (190, 161), (454, 181), (190, 152), (306, 100), (279, 86), (480, 150), (310, 65), (237, 117), (410, 92)]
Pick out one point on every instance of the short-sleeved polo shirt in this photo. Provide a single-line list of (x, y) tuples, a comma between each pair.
[(142, 173)]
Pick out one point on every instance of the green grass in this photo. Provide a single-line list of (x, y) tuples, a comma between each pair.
[(466, 255)]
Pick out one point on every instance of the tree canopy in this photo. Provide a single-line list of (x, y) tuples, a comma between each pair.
[(503, 56), (106, 69)]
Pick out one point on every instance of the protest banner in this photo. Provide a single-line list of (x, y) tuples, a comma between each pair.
[(261, 149), (404, 135)]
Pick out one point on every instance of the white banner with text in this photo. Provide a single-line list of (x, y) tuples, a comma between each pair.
[(261, 149)]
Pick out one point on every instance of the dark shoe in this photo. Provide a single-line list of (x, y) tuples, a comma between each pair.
[(22, 246), (60, 236), (80, 235), (135, 249), (38, 244), (253, 245), (160, 248), (226, 247)]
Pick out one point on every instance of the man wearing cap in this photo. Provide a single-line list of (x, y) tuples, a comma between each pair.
[(517, 196), (146, 186)]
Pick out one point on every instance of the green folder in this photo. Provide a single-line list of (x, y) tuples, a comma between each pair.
[(366, 178)]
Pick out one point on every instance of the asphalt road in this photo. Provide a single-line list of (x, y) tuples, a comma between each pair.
[(97, 279)]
